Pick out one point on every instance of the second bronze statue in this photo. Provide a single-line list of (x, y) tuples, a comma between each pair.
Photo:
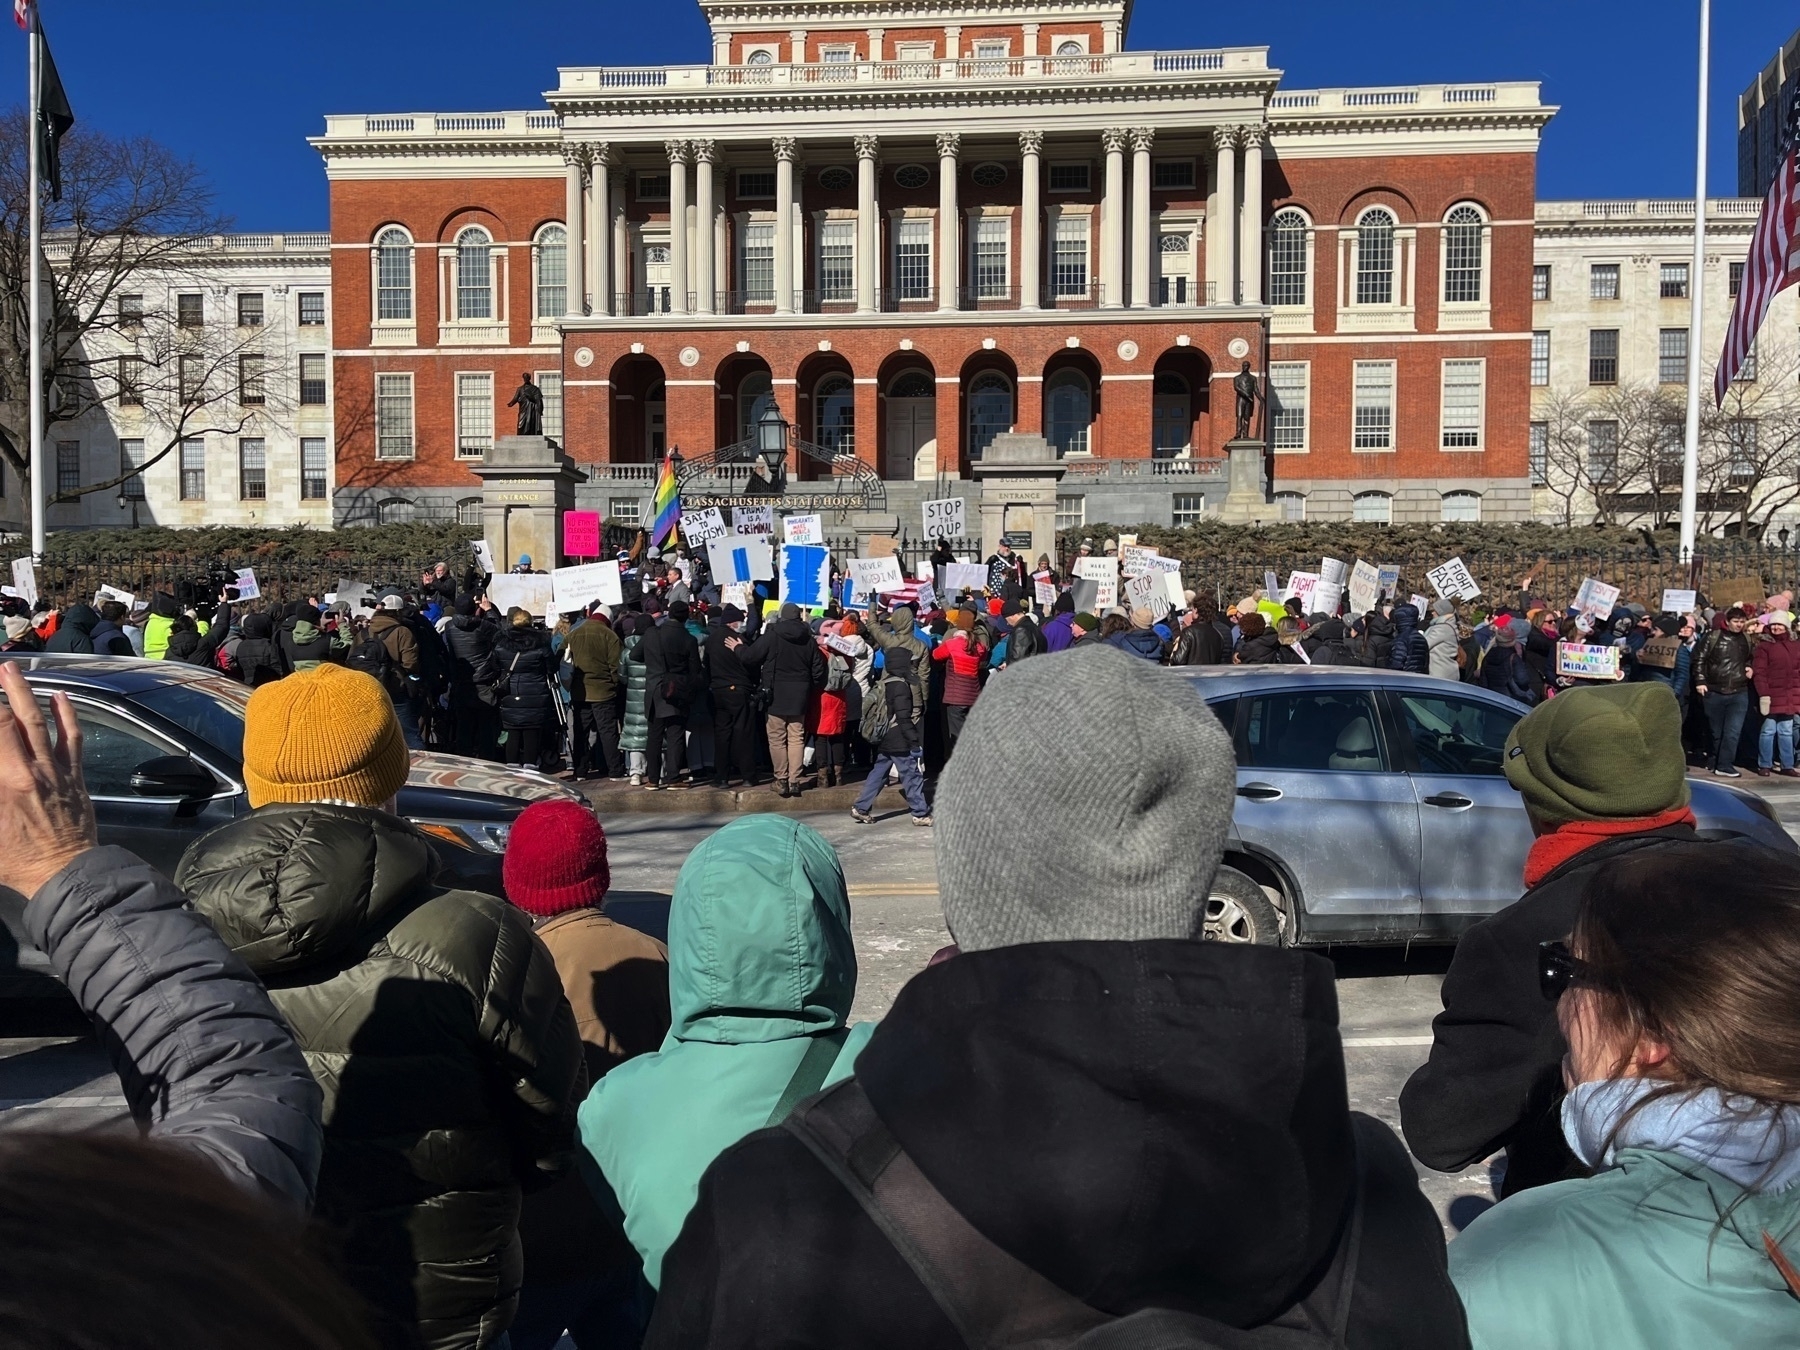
[(529, 400)]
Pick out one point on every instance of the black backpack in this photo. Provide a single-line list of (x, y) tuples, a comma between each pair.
[(371, 657)]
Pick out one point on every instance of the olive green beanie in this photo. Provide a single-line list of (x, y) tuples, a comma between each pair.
[(1608, 752)]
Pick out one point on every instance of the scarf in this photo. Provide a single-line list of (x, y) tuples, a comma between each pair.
[(1551, 850), (1746, 1141)]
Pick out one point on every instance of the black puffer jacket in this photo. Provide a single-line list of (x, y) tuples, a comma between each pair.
[(260, 659), (437, 1026), (791, 666), (522, 654), (469, 640), (1410, 651)]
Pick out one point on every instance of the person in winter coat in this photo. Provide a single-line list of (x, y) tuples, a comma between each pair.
[(259, 657), (163, 612), (1410, 650), (675, 676), (1201, 643), (469, 640), (1666, 656), (841, 653), (732, 688), (1327, 644), (1372, 640), (20, 637), (1024, 638), (1677, 999), (1775, 670), (1722, 679), (403, 665), (901, 631), (76, 631), (762, 972), (304, 642), (791, 671), (903, 745), (1505, 670), (634, 732), (1006, 574), (1057, 637), (183, 641), (1140, 639), (1261, 645), (1075, 1016), (108, 635), (434, 1021), (1441, 643), (581, 1275), (521, 658), (1602, 774), (594, 649), (963, 656)]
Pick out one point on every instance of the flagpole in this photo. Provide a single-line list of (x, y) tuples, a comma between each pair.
[(1690, 454), (34, 42)]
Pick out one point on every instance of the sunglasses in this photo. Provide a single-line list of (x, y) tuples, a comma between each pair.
[(1558, 968)]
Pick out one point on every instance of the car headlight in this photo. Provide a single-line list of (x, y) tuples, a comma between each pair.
[(490, 837)]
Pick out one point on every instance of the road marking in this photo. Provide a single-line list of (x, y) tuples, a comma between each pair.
[(878, 888), (1383, 1042)]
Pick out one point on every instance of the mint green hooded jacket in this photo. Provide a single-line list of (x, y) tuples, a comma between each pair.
[(760, 961)]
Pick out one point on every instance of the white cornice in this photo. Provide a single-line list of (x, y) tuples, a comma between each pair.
[(731, 15)]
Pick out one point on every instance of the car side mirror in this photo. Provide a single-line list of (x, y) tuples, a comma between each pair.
[(173, 776)]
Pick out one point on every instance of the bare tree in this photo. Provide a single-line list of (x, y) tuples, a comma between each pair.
[(1750, 446), (1568, 467)]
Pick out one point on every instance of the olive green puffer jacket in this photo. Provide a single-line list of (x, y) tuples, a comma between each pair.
[(635, 733), (436, 1025)]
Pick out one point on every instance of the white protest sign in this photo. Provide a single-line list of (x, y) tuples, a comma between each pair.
[(924, 598), (529, 593), (1125, 540), (1172, 587), (741, 557), (484, 557), (879, 575), (1452, 581), (1300, 587), (1327, 596), (1365, 587), (1390, 581), (1134, 559), (1678, 602), (575, 588), (700, 528), (1332, 572), (1596, 597), (1586, 661), (1044, 591), (1158, 563), (803, 529), (753, 520), (1421, 605), (353, 593), (1104, 573), (736, 593), (247, 588), (964, 576), (944, 519), (1271, 587), (105, 593)]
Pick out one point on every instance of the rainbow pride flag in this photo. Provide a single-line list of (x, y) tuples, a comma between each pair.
[(665, 507)]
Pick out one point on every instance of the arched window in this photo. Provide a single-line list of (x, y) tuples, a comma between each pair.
[(1372, 508), (1375, 258), (552, 272), (1463, 229), (474, 274), (834, 415), (468, 512), (1069, 49), (1462, 507), (761, 57), (394, 511), (756, 391), (1287, 258), (393, 275), (990, 410), (1292, 504), (1068, 411), (912, 384)]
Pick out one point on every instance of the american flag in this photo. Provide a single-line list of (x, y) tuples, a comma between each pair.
[(22, 14), (1774, 261)]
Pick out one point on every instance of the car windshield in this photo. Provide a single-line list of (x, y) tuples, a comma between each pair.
[(210, 708)]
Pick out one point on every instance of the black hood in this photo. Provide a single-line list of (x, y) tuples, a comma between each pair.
[(1380, 625), (163, 605), (1141, 1122), (792, 630), (1332, 630), (82, 618), (1406, 620), (258, 626)]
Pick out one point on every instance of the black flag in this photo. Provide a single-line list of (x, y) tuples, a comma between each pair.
[(54, 113)]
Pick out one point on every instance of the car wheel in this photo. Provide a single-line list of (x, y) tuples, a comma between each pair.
[(1238, 911)]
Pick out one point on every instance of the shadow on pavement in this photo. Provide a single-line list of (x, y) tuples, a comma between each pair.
[(1357, 963)]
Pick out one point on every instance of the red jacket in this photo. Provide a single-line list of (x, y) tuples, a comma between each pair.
[(1775, 668), (962, 682)]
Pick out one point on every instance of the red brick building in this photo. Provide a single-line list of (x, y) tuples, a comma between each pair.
[(908, 240)]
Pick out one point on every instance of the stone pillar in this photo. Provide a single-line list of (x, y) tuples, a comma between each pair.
[(599, 226), (1112, 221), (623, 280), (868, 223), (1029, 31), (1224, 230), (526, 485), (576, 159), (1143, 237), (949, 143), (705, 283), (875, 37), (679, 154), (786, 152), (719, 239), (1019, 471), (1109, 35), (1250, 260), (1031, 216), (797, 46)]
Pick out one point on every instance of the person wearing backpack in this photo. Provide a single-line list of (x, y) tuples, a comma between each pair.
[(1085, 1121), (891, 723), (400, 672)]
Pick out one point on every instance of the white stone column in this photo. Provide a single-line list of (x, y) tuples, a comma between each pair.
[(599, 231), (1143, 237), (1250, 260), (678, 226), (1109, 35), (875, 37), (705, 281), (1031, 219), (576, 158), (624, 280), (797, 46), (1112, 221), (949, 143), (868, 226), (786, 152), (1029, 32), (1224, 229)]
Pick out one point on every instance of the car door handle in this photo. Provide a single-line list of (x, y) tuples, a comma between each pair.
[(1260, 792), (1452, 801)]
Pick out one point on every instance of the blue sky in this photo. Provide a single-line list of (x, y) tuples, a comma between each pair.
[(238, 86)]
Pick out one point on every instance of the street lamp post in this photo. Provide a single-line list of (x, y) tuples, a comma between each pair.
[(1690, 454), (132, 501), (772, 444)]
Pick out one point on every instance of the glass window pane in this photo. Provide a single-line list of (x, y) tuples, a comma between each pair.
[(1287, 404), (837, 260), (1540, 358), (1374, 413), (1069, 258), (1462, 256), (474, 275), (912, 260), (1462, 404), (312, 468), (474, 414), (1334, 731), (393, 417), (393, 271), (1457, 735), (1375, 259), (553, 272), (1287, 259), (550, 385), (253, 470), (759, 262)]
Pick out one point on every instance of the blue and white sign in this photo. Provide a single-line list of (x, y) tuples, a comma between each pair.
[(741, 558), (806, 575)]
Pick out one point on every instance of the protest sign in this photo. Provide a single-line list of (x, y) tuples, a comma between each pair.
[(1125, 540), (1422, 605), (529, 593), (1678, 602), (1729, 591), (1300, 587), (1333, 572), (1596, 597), (1452, 581), (1327, 596), (739, 557), (883, 546), (1044, 592), (247, 587), (963, 576), (1084, 593), (1173, 588), (1158, 563), (753, 520), (1141, 590), (944, 519), (484, 558), (700, 528), (355, 594), (1104, 572), (1585, 661), (1271, 587), (852, 596), (575, 588), (1134, 559), (105, 593), (878, 575), (736, 593), (25, 580), (581, 534), (925, 597), (803, 529), (1390, 581), (805, 574), (1365, 587)]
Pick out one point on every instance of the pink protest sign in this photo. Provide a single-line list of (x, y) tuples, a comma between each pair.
[(581, 534)]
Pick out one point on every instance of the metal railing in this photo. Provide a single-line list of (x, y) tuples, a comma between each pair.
[(1170, 293)]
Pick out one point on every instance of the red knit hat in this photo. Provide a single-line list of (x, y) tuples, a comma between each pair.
[(555, 859)]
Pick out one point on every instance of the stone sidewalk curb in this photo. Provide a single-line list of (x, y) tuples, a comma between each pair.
[(623, 799)]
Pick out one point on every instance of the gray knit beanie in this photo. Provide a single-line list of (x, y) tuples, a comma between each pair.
[(1129, 783)]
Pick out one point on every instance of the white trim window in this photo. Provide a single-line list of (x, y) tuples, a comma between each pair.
[(550, 385), (1071, 512), (314, 469), (1461, 507), (1187, 508), (394, 415), (837, 260), (1375, 258), (1373, 417), (474, 413), (1463, 404), (1069, 251), (991, 265), (1292, 505), (1289, 389), (550, 265), (1540, 357), (1372, 508), (468, 512), (474, 275), (393, 276), (193, 469), (131, 462), (1290, 243), (1538, 453), (1465, 249), (253, 469), (912, 258), (756, 262)]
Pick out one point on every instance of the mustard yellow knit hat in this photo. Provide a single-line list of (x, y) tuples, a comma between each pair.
[(326, 734)]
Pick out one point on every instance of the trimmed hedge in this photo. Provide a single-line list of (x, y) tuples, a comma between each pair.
[(377, 545)]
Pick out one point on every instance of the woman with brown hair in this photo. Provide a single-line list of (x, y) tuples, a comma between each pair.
[(1682, 1015)]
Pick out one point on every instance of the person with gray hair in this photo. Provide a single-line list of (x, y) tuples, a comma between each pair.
[(1087, 1116)]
